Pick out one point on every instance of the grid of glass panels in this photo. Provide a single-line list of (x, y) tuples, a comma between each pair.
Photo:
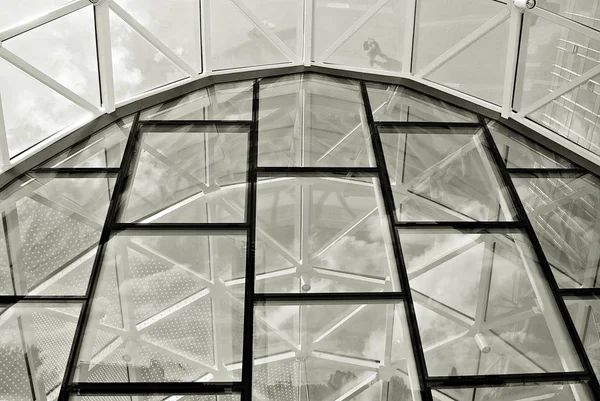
[(301, 238)]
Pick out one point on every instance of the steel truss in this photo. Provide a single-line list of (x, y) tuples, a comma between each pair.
[(392, 290)]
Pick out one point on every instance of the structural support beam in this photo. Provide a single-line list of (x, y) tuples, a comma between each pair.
[(4, 154), (105, 62), (510, 71), (409, 36)]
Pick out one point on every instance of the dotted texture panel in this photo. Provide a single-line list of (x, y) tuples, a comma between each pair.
[(277, 381), (14, 379), (156, 367)]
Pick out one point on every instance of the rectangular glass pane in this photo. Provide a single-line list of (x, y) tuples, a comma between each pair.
[(519, 152), (397, 103), (483, 305), (333, 352), (585, 313), (554, 392), (230, 101), (565, 214), (310, 120), (51, 228), (104, 149), (191, 174), (443, 174), (167, 308), (322, 234), (34, 346)]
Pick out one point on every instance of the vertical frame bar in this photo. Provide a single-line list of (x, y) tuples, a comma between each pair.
[(4, 154)]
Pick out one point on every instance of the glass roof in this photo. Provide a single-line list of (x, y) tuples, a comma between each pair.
[(65, 62)]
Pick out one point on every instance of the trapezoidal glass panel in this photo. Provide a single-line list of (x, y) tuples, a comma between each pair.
[(188, 174), (34, 346), (483, 305), (312, 120), (585, 313), (230, 101), (322, 234), (51, 227), (397, 103), (443, 174), (350, 351), (519, 152), (565, 214), (167, 308)]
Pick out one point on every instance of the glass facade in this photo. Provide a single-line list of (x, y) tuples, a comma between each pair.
[(301, 238)]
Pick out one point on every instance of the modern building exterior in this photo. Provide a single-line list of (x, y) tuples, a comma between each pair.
[(299, 200)]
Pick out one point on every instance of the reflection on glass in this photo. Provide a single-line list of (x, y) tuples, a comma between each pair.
[(519, 152), (15, 12), (552, 392), (483, 305), (443, 174), (231, 101), (440, 25), (327, 352), (188, 174), (584, 12), (167, 308), (241, 34), (311, 120), (104, 149), (585, 314), (375, 40), (397, 103), (322, 234), (51, 227), (34, 346), (132, 55), (565, 214), (479, 69), (225, 397), (51, 48)]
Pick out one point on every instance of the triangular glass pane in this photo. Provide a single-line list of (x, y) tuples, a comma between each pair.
[(132, 55), (325, 33), (378, 43), (15, 12), (237, 42), (51, 49), (33, 112), (441, 24), (104, 149), (479, 69), (177, 26), (520, 152), (283, 18)]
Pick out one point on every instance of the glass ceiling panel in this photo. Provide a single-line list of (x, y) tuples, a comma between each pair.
[(483, 305), (330, 351), (555, 392), (103, 149), (586, 315), (519, 152), (189, 174), (322, 234), (177, 26), (167, 308), (311, 120), (565, 214), (33, 112), (239, 38), (584, 12), (479, 69), (550, 56), (440, 25), (34, 347), (397, 103), (375, 40), (443, 174), (231, 101), (132, 55), (51, 49), (16, 12), (51, 229)]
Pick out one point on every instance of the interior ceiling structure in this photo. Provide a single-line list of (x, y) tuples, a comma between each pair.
[(65, 62)]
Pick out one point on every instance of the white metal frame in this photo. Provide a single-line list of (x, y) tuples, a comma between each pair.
[(302, 55)]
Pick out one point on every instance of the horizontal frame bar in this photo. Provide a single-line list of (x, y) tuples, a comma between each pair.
[(77, 172), (492, 226), (13, 299), (163, 388), (175, 228), (185, 123), (580, 292), (317, 171), (425, 124), (352, 298), (546, 173), (507, 380)]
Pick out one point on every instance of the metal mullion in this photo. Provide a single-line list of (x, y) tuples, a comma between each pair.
[(546, 172), (487, 226), (316, 171), (77, 172), (386, 190), (328, 298), (428, 124), (503, 380), (128, 157), (158, 388), (251, 204), (583, 293), (185, 123), (543, 262), (57, 299), (177, 228)]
